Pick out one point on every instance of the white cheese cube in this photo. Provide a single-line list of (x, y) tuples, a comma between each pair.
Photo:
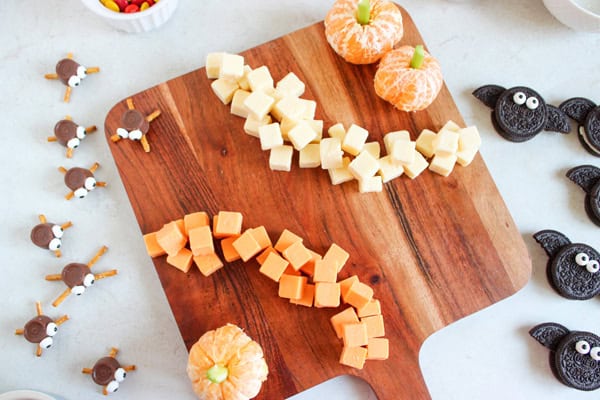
[(416, 167), (446, 142), (468, 138), (403, 151), (451, 126), (310, 109), (310, 156), (270, 136), (317, 126), (425, 142), (331, 153), (337, 131), (259, 104), (224, 89), (287, 124), (237, 103), (340, 174), (280, 158), (290, 85), (443, 164), (288, 107), (391, 137), (355, 139), (232, 66), (389, 169), (370, 184), (252, 124), (363, 166), (243, 81), (464, 157), (301, 135), (373, 148), (260, 79), (213, 65)]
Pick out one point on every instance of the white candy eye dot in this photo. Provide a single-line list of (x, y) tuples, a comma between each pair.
[(592, 266), (81, 72), (90, 183), (57, 231), (46, 343), (582, 259), (532, 103), (81, 193), (519, 98), (81, 133), (74, 81), (78, 290), (122, 133), (582, 347), (120, 375), (54, 244), (88, 280), (112, 387), (595, 353), (135, 134), (73, 143), (51, 329)]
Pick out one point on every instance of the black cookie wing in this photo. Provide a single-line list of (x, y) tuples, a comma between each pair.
[(551, 241), (489, 94), (549, 334), (577, 108), (556, 120), (585, 176)]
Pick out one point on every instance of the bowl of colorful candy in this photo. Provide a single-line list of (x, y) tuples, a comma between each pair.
[(133, 15), (579, 15)]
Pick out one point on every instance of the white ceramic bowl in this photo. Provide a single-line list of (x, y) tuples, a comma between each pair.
[(579, 15), (141, 21)]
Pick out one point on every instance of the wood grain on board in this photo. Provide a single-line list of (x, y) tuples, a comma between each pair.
[(434, 249)]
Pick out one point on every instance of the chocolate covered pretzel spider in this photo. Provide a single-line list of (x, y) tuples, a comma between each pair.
[(69, 134), (108, 372), (81, 181), (135, 126), (48, 235), (41, 329), (70, 73)]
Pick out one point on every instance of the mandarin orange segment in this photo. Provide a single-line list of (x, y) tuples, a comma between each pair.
[(363, 44), (408, 89)]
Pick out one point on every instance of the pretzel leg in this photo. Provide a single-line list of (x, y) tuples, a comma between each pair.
[(129, 368), (92, 70), (68, 118), (145, 144), (62, 170), (106, 274), (62, 297), (42, 218), (61, 320), (19, 331), (38, 352), (115, 138), (153, 116), (57, 253), (54, 277), (90, 129), (67, 96), (101, 184), (66, 225), (52, 138), (38, 308), (70, 55), (94, 167), (69, 195), (69, 152), (86, 371), (113, 352), (99, 254), (104, 391), (130, 103), (51, 76)]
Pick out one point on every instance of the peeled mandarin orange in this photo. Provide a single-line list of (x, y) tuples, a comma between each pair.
[(225, 364), (407, 88), (363, 44)]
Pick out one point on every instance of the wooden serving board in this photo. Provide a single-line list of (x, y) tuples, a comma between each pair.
[(434, 249)]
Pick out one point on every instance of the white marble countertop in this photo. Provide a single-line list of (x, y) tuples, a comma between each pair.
[(486, 355)]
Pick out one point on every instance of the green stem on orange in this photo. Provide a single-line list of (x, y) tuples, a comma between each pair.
[(418, 57), (363, 14), (217, 373)]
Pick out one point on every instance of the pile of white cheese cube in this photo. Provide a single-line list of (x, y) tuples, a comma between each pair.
[(283, 122)]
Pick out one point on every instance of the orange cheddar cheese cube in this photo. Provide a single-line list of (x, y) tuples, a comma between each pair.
[(348, 316), (201, 241), (171, 238), (291, 286), (182, 260), (308, 295), (195, 220), (260, 259), (309, 267), (208, 264), (246, 245), (273, 266), (378, 349), (297, 255), (373, 307), (181, 225), (345, 285), (325, 271), (355, 335), (291, 271), (227, 223), (359, 294), (262, 237), (336, 253), (375, 327), (230, 254), (152, 247), (286, 239), (327, 294), (353, 357)]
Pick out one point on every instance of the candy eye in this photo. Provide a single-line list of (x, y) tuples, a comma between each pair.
[(112, 387), (135, 134), (73, 143), (78, 290), (122, 133), (120, 374), (592, 266), (46, 343), (532, 103), (519, 98), (595, 353), (51, 329), (74, 81), (582, 259), (582, 347), (81, 133), (54, 244), (81, 193), (57, 231), (88, 280), (81, 72), (90, 183)]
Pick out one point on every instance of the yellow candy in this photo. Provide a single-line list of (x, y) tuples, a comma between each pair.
[(111, 5), (144, 6)]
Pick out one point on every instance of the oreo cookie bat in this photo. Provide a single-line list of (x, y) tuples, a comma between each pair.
[(587, 114), (574, 355), (588, 178), (572, 268), (520, 113)]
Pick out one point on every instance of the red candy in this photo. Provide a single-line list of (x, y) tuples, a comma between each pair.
[(128, 6), (132, 8), (122, 4), (137, 2)]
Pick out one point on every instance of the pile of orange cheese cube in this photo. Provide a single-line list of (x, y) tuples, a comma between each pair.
[(305, 277)]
